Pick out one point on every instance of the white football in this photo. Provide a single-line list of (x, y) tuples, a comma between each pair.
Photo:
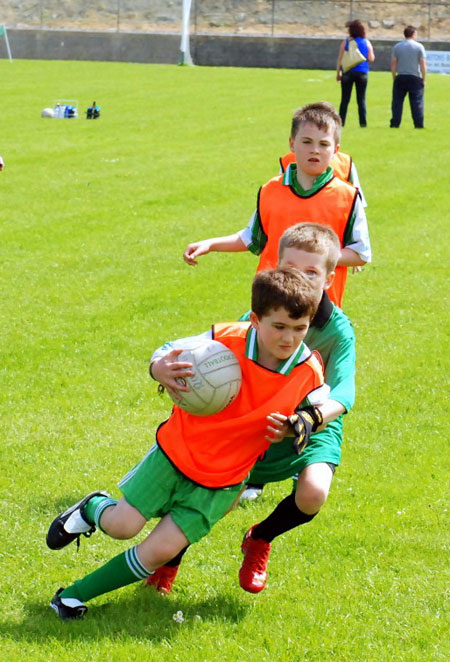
[(48, 112), (216, 382)]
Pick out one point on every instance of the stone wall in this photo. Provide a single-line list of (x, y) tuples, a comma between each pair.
[(208, 50), (96, 46), (383, 18)]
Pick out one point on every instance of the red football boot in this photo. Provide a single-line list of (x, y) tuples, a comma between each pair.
[(253, 572), (163, 578)]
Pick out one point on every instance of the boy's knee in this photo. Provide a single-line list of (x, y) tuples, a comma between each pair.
[(122, 521), (311, 495), (313, 487), (155, 558), (155, 555), (121, 529), (311, 500), (162, 544)]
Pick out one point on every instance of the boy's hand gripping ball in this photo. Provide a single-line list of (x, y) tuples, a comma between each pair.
[(216, 381), (304, 422)]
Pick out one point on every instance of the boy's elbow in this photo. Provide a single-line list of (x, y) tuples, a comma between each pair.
[(360, 262), (355, 261), (350, 258)]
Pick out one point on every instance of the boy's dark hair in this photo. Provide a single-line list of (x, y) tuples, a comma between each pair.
[(409, 31), (356, 29), (322, 114), (313, 238), (284, 288)]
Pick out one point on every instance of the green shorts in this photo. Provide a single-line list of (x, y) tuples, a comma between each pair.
[(281, 461), (156, 488)]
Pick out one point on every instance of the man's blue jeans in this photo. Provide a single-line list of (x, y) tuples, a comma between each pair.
[(413, 86)]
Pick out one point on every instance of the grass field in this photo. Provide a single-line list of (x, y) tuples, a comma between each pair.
[(94, 220)]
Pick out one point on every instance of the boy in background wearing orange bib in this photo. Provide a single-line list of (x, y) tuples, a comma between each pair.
[(193, 474), (307, 191)]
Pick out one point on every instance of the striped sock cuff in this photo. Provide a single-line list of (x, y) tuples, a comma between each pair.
[(136, 567), (100, 509)]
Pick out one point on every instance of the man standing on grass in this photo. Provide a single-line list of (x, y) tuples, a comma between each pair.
[(409, 70)]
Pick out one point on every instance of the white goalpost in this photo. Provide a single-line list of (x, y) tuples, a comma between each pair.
[(184, 47), (4, 34)]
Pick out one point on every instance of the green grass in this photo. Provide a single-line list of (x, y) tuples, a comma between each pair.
[(94, 220)]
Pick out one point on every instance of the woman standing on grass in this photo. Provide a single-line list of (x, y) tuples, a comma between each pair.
[(358, 74)]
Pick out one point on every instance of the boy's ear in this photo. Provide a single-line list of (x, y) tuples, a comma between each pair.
[(254, 319), (337, 148), (329, 281), (291, 143)]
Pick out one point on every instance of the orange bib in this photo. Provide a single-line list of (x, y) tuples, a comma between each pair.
[(220, 450), (280, 208)]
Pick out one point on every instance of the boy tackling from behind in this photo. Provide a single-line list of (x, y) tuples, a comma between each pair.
[(313, 250)]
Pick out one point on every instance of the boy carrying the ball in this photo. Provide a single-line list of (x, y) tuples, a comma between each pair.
[(195, 471), (314, 250), (307, 191)]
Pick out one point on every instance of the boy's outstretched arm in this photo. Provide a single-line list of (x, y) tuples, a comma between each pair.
[(325, 411), (232, 243), (330, 410)]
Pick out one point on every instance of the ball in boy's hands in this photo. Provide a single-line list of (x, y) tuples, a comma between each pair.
[(216, 381)]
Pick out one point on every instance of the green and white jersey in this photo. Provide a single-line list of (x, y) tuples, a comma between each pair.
[(331, 334), (354, 179)]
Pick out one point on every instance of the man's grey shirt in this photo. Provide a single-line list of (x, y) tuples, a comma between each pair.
[(408, 53)]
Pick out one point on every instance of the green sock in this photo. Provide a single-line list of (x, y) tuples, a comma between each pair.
[(95, 508), (122, 570)]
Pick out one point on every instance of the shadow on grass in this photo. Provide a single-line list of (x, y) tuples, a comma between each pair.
[(49, 508), (63, 502), (143, 615)]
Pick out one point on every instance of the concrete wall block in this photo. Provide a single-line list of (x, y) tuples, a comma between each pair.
[(207, 50)]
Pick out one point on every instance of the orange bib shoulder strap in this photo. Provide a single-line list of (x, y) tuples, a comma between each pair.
[(236, 329)]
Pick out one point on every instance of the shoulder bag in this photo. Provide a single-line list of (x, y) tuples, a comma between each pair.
[(352, 56)]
